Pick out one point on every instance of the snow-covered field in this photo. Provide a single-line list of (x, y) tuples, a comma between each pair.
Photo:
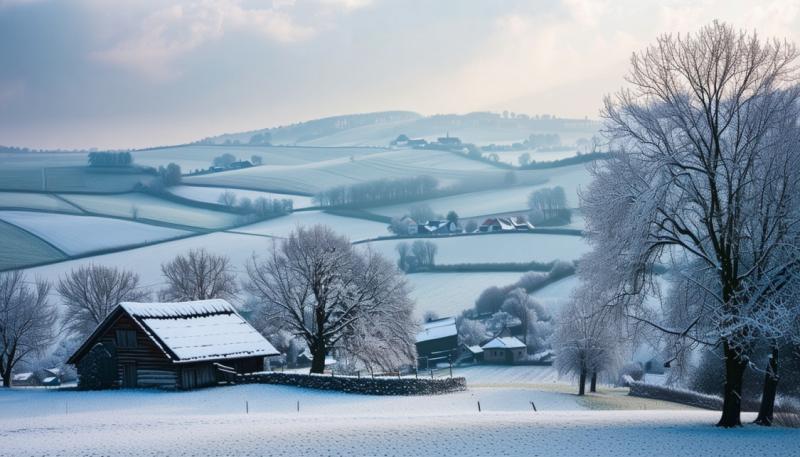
[(571, 178), (212, 194), (313, 177), (147, 207), (214, 422), (354, 229), (146, 261), (448, 294), (200, 157), (75, 234), (19, 248), (555, 295), (494, 248), (512, 157), (42, 202)]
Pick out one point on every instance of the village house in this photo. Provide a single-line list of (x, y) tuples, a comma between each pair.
[(437, 343), (177, 345), (504, 349), (438, 228), (505, 224)]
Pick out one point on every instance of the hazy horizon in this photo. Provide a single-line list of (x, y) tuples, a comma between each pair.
[(85, 73)]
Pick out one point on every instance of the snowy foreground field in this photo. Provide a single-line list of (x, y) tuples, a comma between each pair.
[(214, 422)]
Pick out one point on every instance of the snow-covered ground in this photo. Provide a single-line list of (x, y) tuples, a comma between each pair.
[(214, 422), (572, 178), (448, 294), (555, 295), (354, 229), (146, 261), (146, 207), (212, 194), (42, 202), (447, 167), (81, 234), (494, 248), (512, 157)]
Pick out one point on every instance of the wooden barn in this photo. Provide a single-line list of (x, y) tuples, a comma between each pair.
[(437, 343), (177, 345)]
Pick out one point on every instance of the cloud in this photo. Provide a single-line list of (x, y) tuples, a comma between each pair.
[(347, 4), (176, 30)]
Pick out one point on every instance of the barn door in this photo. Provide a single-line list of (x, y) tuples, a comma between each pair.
[(129, 375)]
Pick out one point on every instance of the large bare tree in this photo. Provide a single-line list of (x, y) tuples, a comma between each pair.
[(90, 293), (329, 293), (27, 321), (706, 170), (198, 275)]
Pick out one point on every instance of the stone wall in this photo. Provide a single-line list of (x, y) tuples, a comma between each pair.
[(364, 385)]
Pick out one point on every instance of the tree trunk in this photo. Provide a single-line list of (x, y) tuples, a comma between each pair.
[(318, 360), (732, 402), (6, 378), (593, 385), (765, 411), (582, 382)]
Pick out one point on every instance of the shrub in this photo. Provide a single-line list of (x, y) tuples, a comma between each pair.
[(98, 369), (634, 371), (787, 412)]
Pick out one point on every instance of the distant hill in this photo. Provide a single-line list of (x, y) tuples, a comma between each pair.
[(378, 129)]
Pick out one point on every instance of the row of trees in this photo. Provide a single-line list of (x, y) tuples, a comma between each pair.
[(314, 285), (549, 206), (379, 191), (110, 159), (262, 207), (419, 255)]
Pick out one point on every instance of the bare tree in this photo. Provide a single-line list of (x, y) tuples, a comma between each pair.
[(227, 198), (706, 170), (27, 321), (90, 293), (548, 203), (198, 275), (424, 252), (328, 293)]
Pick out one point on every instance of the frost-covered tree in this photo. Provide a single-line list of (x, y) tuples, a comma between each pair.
[(587, 342), (90, 293), (27, 321), (534, 319), (198, 275), (706, 170), (331, 294)]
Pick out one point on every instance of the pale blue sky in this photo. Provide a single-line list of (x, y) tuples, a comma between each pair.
[(133, 73)]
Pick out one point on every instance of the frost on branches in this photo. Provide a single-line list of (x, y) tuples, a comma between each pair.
[(704, 178)]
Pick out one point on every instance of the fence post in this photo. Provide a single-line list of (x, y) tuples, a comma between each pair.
[(298, 406), (246, 407), (479, 406), (533, 405)]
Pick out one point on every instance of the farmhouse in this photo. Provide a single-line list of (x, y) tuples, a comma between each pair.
[(505, 224), (177, 345), (437, 228), (504, 349), (437, 342)]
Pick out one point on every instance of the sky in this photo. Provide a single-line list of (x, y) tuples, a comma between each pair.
[(136, 73)]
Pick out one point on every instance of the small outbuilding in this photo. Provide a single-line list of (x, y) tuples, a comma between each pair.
[(504, 349), (176, 345), (437, 342)]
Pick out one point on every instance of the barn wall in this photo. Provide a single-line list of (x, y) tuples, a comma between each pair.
[(153, 367)]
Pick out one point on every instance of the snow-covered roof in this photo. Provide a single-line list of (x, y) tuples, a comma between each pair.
[(439, 328), (505, 342), (475, 349), (22, 377), (199, 330)]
